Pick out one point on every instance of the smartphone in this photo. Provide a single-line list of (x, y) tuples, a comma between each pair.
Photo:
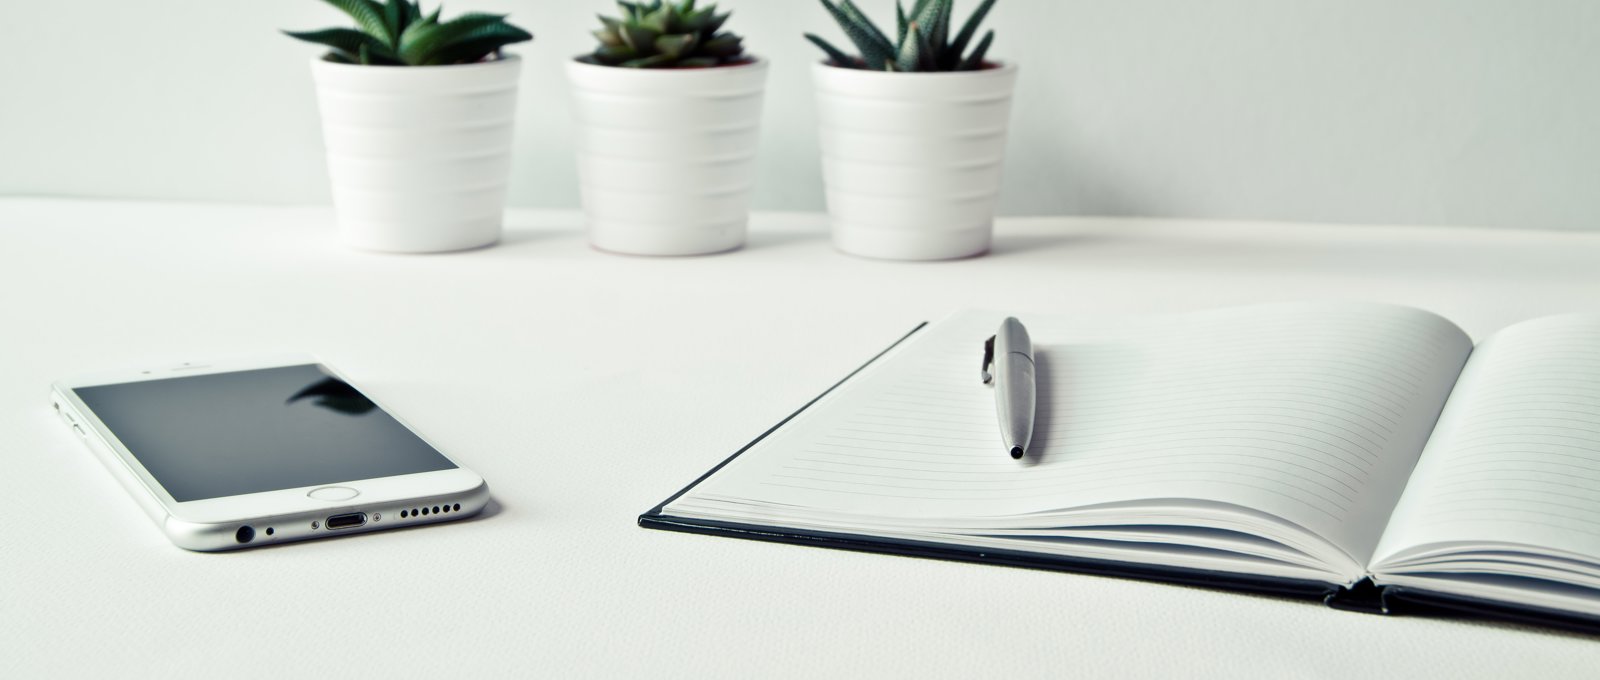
[(236, 454)]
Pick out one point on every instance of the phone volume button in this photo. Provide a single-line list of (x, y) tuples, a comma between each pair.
[(79, 430)]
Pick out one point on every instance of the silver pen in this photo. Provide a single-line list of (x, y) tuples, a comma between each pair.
[(1008, 366)]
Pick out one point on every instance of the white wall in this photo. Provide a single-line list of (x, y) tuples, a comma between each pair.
[(1479, 112)]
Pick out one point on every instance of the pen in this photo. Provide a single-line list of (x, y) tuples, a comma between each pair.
[(1010, 354)]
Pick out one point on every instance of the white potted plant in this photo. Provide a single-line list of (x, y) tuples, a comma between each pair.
[(669, 110), (913, 133), (417, 116)]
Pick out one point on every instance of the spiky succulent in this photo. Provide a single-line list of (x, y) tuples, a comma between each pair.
[(923, 39), (661, 34), (397, 33)]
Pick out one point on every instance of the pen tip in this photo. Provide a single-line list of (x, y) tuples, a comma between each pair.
[(1016, 452)]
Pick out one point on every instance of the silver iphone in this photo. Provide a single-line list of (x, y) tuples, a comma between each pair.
[(236, 454)]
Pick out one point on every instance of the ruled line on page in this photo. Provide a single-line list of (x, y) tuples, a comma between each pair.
[(967, 485), (1520, 441), (1227, 481), (1089, 471), (1147, 462), (1255, 420), (1545, 523), (1297, 411)]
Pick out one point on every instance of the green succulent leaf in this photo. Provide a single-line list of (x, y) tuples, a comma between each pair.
[(716, 21), (968, 30), (940, 35), (875, 49), (917, 9), (660, 19), (910, 56), (923, 41), (347, 41), (638, 37), (860, 18), (927, 19), (660, 34), (900, 23), (422, 46), (395, 18), (697, 20), (368, 15), (675, 46), (606, 54), (479, 44), (722, 47), (835, 55), (653, 61), (976, 60), (397, 33)]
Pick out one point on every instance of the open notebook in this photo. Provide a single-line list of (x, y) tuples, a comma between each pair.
[(1365, 454)]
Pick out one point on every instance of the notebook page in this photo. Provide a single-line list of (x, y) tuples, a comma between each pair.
[(1310, 412), (1516, 455)]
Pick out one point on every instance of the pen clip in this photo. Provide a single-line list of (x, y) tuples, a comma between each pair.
[(988, 360)]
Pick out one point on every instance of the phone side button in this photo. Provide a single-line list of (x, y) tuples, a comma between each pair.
[(333, 493), (79, 429)]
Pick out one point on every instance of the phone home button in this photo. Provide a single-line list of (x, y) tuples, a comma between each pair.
[(334, 493)]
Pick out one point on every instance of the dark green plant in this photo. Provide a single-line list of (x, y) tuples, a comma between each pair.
[(923, 39), (666, 35), (397, 33)]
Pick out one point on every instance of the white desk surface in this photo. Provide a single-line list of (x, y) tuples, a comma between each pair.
[(586, 388)]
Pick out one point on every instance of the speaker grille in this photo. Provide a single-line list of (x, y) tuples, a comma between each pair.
[(430, 510)]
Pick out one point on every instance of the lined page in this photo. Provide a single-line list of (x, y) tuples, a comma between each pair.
[(1313, 413), (1516, 456)]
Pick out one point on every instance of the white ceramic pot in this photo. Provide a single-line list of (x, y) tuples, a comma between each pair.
[(912, 161), (419, 155), (666, 157)]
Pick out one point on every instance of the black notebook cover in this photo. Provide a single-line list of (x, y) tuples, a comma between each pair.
[(1363, 597)]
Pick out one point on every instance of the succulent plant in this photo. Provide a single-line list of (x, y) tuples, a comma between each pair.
[(923, 39), (397, 33), (661, 34)]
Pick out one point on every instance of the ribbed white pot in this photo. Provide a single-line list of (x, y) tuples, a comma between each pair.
[(912, 161), (666, 157), (419, 156)]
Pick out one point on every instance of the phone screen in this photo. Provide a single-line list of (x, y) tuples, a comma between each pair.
[(227, 434)]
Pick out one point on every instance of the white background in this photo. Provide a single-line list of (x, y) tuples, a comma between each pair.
[(1469, 112)]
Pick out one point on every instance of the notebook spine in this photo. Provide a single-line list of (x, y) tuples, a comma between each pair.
[(1365, 597)]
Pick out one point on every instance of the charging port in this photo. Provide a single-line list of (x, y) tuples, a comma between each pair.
[(349, 521)]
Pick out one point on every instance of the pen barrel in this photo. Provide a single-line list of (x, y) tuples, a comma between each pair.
[(1017, 405)]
